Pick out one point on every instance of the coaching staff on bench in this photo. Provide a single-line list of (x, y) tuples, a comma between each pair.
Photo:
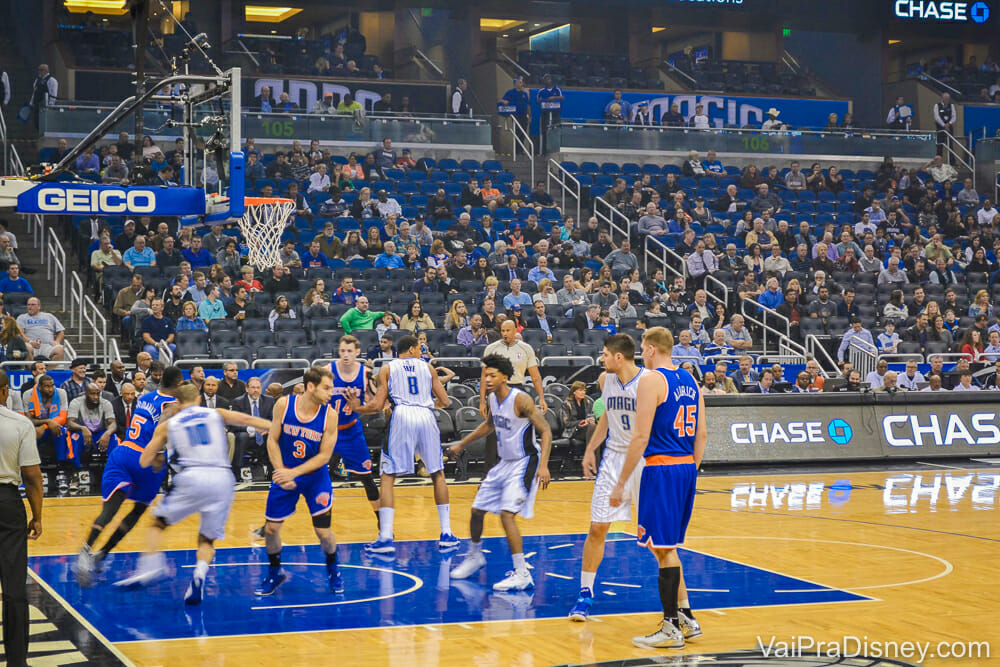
[(18, 460)]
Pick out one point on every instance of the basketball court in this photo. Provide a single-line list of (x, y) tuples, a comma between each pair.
[(890, 556)]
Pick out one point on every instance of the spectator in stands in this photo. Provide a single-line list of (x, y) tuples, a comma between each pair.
[(965, 382), (622, 308), (987, 214), (942, 274), (673, 117), (911, 378), (385, 157), (196, 291), (282, 311), (518, 98), (189, 320), (940, 170), (892, 274), (388, 259), (853, 383), (241, 307), (855, 330), (795, 180), (624, 107), (972, 347), (157, 331), (765, 200), (361, 317), (745, 376), (139, 255), (772, 124), (699, 120), (588, 319), (196, 254), (265, 102), (737, 335), (968, 196), (280, 280), (212, 308), (652, 223), (991, 352), (823, 307), (516, 296), (43, 332), (718, 347), (772, 296), (693, 166), (622, 260), (77, 382), (540, 199), (231, 387), (14, 282)]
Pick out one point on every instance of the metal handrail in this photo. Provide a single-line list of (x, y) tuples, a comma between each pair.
[(55, 266), (666, 253), (892, 357), (971, 164), (209, 362), (812, 345), (561, 360), (114, 351), (522, 139), (426, 59), (759, 308), (724, 300), (513, 62), (863, 356), (608, 218), (783, 359), (677, 70), (305, 363), (84, 313), (873, 132), (564, 179), (955, 91)]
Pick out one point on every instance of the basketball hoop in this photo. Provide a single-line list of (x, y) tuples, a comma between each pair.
[(262, 225)]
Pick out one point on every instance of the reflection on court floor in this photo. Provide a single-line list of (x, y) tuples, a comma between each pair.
[(411, 589)]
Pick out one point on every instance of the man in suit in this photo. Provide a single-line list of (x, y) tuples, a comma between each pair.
[(540, 320), (764, 386), (124, 407), (746, 376), (210, 395), (587, 320), (511, 270), (255, 404), (265, 102)]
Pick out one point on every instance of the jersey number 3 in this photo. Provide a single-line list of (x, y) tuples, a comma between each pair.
[(684, 422), (299, 449)]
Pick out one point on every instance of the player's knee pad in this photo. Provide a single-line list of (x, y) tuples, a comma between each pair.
[(323, 520), (371, 489)]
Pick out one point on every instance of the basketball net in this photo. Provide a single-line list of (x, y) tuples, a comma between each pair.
[(262, 225)]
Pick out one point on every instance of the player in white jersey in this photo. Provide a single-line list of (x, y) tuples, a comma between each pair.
[(412, 385), (510, 487), (198, 449), (619, 384)]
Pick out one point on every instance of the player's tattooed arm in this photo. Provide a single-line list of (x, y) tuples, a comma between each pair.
[(526, 408)]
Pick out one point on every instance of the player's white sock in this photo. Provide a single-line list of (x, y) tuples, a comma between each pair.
[(201, 570), (587, 580), (385, 515), (475, 547), (684, 604), (519, 565), (444, 516)]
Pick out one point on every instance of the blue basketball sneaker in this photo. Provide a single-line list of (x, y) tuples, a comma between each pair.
[(581, 610), (194, 592), (336, 581), (448, 541), (381, 546), (275, 577)]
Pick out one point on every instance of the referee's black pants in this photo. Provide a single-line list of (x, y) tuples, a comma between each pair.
[(13, 572)]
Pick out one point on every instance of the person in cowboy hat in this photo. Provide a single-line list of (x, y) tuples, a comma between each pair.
[(772, 123)]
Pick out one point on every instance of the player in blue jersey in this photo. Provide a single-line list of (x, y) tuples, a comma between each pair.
[(670, 434), (301, 440), (125, 478), (349, 380)]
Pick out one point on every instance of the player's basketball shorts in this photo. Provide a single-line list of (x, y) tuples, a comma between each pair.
[(123, 471), (510, 486), (314, 487), (412, 430), (666, 500), (206, 491), (607, 477), (353, 450)]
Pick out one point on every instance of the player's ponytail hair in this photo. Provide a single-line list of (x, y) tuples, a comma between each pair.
[(660, 338)]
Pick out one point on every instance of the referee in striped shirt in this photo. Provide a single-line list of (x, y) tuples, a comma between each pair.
[(18, 460)]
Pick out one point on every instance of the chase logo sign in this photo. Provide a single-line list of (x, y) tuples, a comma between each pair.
[(941, 10), (837, 431), (93, 199), (941, 430)]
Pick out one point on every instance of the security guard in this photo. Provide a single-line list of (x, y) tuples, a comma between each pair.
[(18, 460)]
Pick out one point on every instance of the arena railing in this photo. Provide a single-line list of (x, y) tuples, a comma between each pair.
[(594, 136), (863, 356), (84, 314), (568, 185), (208, 362), (285, 363), (520, 139), (76, 120), (956, 149), (815, 348), (901, 357), (619, 228), (663, 257), (55, 263)]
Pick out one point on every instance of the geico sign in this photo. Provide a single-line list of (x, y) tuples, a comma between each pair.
[(981, 428), (62, 200), (747, 433)]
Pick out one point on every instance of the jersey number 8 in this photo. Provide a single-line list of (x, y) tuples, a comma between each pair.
[(414, 387)]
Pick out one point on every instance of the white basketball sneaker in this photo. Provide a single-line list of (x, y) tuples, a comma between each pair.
[(515, 581), (668, 636), (688, 625), (472, 563)]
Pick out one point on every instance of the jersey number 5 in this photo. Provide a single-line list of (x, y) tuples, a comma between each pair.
[(135, 429), (299, 450), (684, 422)]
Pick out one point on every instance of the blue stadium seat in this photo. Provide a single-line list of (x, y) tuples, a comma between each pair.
[(470, 165), (493, 166), (448, 164), (651, 169)]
